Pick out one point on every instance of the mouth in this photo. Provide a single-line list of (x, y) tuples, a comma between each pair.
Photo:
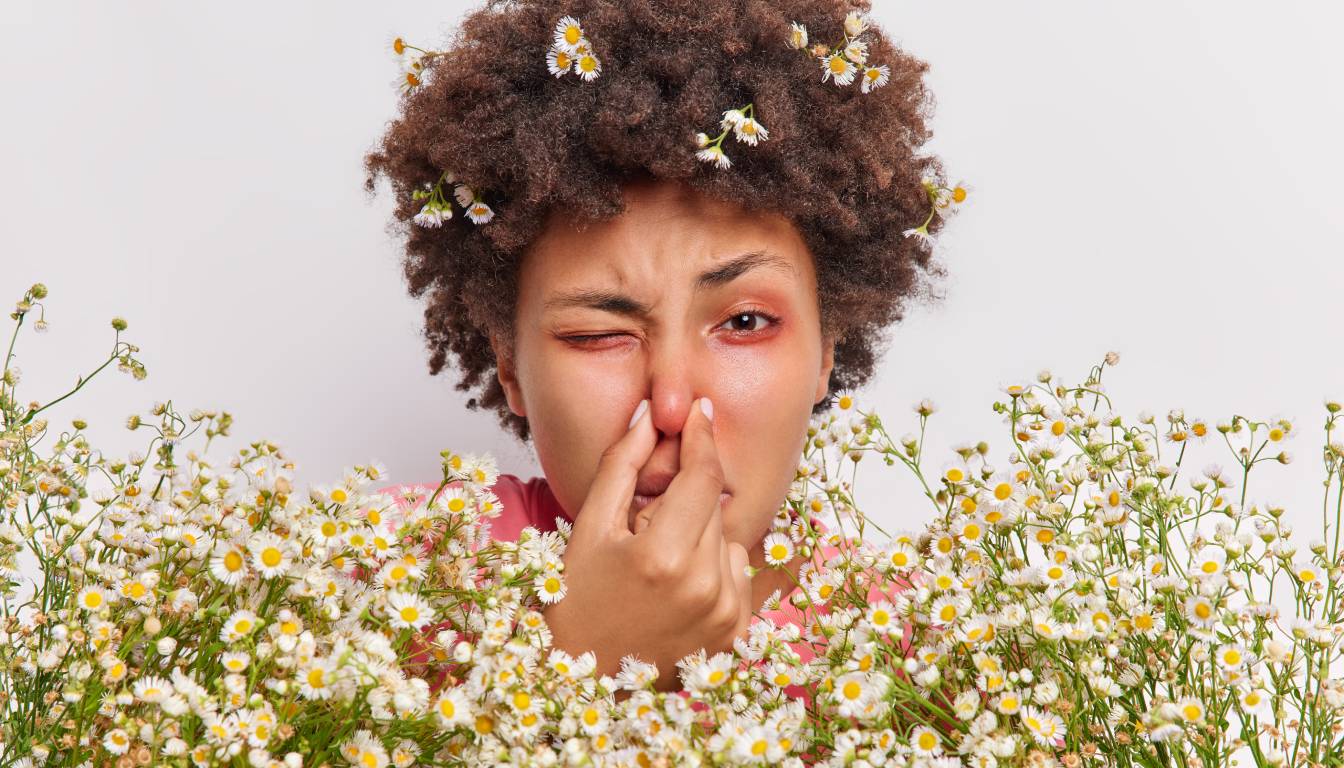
[(640, 500)]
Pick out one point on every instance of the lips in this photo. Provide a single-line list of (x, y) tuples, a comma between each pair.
[(640, 500)]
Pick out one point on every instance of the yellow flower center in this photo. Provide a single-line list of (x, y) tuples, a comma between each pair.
[(233, 561), (270, 557)]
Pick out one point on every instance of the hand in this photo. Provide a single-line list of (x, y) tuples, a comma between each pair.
[(671, 586)]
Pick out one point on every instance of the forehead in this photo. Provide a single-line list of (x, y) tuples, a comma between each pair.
[(668, 237)]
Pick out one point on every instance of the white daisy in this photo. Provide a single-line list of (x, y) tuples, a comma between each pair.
[(432, 216), (568, 34), (152, 689), (91, 598), (559, 61), (748, 130), (1045, 727), (228, 564), (235, 661), (117, 741), (452, 708), (857, 52), (270, 555), (550, 587), (316, 679), (408, 610), (587, 66), (239, 625), (837, 68), (778, 548), (480, 213), (714, 155), (924, 741), (855, 24), (874, 77), (797, 35), (882, 617)]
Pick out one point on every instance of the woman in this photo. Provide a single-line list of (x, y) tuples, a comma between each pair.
[(660, 314)]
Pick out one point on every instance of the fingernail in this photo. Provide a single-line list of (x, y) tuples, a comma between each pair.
[(639, 411), (707, 407)]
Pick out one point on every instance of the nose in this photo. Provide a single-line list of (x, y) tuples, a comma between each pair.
[(678, 373)]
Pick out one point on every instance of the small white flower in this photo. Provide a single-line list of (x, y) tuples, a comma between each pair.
[(480, 213), (587, 66), (714, 155), (797, 35), (117, 741), (550, 587), (874, 77), (432, 216), (837, 68), (408, 610), (568, 34), (855, 24), (857, 52), (559, 61), (778, 548)]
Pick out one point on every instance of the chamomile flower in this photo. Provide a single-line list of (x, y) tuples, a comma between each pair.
[(270, 555), (240, 624), (1045, 727), (432, 215), (550, 587), (874, 77), (1201, 611), (714, 154), (480, 213), (924, 741), (1191, 709), (797, 36), (882, 617), (857, 52), (778, 548), (749, 131), (568, 34), (707, 674), (234, 661), (1256, 702), (559, 61), (855, 24), (117, 741), (316, 679), (838, 69), (452, 708), (408, 610), (587, 66), (228, 564), (1209, 561), (91, 598)]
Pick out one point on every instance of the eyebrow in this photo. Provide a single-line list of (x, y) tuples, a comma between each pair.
[(620, 304)]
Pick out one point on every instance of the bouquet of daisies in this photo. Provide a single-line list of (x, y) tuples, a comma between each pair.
[(1077, 606)]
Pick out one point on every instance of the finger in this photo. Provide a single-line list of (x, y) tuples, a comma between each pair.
[(737, 555), (691, 497), (606, 508)]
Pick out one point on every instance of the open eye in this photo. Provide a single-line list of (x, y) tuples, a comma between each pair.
[(750, 313)]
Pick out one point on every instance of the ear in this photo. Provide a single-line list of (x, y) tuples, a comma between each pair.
[(507, 373), (827, 362)]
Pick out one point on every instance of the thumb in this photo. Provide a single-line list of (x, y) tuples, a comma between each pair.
[(607, 505)]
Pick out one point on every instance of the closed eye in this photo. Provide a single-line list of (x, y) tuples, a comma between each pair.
[(772, 320)]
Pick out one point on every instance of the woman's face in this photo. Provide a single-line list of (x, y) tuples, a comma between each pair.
[(681, 297)]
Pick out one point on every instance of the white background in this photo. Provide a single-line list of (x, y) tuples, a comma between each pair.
[(1157, 178)]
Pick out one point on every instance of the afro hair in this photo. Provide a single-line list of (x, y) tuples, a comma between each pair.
[(842, 165)]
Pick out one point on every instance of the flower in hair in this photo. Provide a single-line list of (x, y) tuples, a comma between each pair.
[(571, 51), (848, 59), (438, 209), (744, 127), (944, 200)]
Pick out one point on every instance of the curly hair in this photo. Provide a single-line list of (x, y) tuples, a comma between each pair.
[(843, 166)]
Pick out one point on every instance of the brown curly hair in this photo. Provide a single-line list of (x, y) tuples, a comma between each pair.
[(841, 165)]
